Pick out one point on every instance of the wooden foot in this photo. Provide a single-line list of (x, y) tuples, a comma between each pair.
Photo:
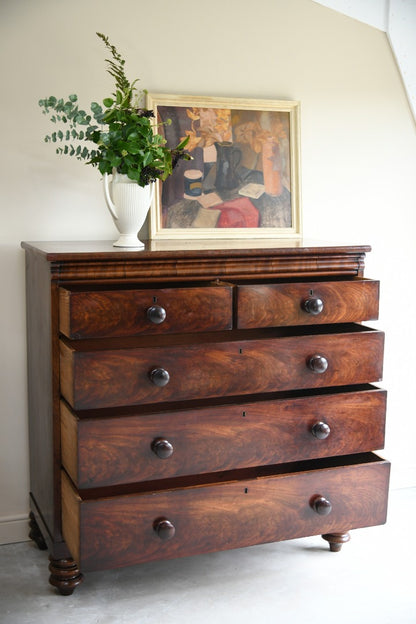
[(65, 575), (35, 533), (336, 540)]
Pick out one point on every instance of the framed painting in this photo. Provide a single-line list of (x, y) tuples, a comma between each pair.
[(243, 180)]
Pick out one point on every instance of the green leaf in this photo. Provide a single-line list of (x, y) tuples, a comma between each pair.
[(73, 97), (96, 136), (115, 161), (133, 174), (133, 149), (96, 108), (109, 115), (183, 144), (104, 167), (130, 162), (147, 159), (108, 102)]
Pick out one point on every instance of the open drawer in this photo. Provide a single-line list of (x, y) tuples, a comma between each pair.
[(87, 312), (219, 512), (141, 444), (306, 303), (103, 374)]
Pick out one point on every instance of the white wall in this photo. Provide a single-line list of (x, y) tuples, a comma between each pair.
[(398, 19), (401, 32), (373, 12), (358, 157)]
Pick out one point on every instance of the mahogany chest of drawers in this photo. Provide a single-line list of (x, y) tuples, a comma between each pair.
[(187, 401)]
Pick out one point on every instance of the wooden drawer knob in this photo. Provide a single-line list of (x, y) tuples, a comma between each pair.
[(159, 376), (318, 363), (321, 505), (162, 448), (156, 314), (164, 528), (320, 430), (313, 305)]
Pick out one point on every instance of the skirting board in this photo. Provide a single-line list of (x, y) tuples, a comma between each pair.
[(14, 529)]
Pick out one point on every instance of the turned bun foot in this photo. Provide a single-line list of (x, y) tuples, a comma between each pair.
[(35, 533), (336, 540), (65, 575)]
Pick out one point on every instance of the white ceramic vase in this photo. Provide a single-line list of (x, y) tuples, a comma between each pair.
[(128, 204)]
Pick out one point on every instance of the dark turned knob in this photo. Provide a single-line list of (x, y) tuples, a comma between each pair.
[(318, 363), (164, 528), (313, 305), (320, 430), (156, 314), (162, 448), (159, 376), (321, 505)]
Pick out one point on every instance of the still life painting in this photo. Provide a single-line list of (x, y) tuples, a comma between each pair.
[(243, 177)]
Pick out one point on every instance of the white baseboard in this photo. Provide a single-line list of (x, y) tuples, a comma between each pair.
[(14, 529)]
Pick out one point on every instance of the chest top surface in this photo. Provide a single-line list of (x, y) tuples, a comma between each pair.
[(202, 260)]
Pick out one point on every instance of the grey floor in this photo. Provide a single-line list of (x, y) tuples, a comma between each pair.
[(371, 581)]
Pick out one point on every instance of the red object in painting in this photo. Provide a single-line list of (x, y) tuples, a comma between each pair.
[(237, 213)]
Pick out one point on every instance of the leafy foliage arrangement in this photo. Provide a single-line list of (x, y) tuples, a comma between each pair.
[(120, 136)]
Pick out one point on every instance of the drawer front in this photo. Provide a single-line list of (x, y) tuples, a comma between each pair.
[(273, 305), (95, 379), (101, 452), (126, 530), (96, 314)]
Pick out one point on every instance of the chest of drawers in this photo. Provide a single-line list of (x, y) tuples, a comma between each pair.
[(187, 401)]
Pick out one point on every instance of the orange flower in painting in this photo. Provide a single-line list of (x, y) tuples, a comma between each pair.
[(193, 113), (253, 134), (194, 140), (223, 124), (208, 125)]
